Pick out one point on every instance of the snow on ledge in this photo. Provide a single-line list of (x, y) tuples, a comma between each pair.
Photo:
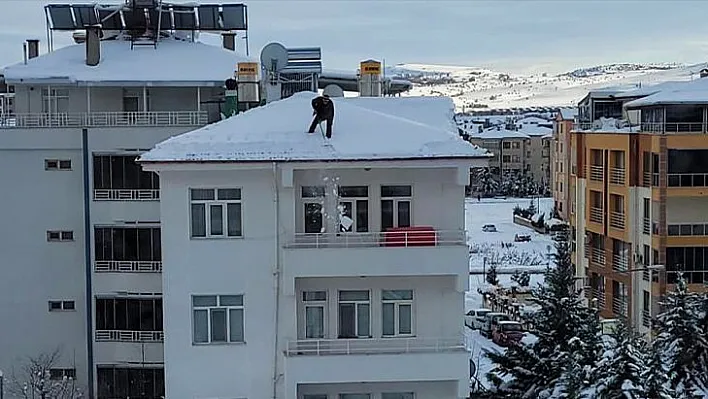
[(364, 129)]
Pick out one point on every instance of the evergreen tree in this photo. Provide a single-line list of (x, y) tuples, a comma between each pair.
[(656, 381), (486, 182), (558, 364), (532, 207), (521, 278), (492, 277)]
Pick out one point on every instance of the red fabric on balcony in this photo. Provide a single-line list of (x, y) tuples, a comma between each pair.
[(418, 236)]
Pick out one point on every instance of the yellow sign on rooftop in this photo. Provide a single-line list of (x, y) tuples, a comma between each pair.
[(370, 67), (247, 68)]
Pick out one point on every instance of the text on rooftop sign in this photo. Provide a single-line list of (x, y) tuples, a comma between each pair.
[(370, 68), (247, 68)]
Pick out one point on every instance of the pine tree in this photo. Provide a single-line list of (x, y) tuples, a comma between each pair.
[(492, 277), (656, 381), (532, 207)]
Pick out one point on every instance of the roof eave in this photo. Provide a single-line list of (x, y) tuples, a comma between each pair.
[(314, 160)]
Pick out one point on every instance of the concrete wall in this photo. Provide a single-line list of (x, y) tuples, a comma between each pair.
[(422, 390)]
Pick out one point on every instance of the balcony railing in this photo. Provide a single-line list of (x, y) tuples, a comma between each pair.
[(596, 215), (687, 179), (106, 119), (386, 346), (617, 175), (596, 172), (646, 318), (619, 263), (646, 179), (379, 239), (619, 306), (129, 336), (599, 297), (127, 266), (673, 127), (646, 275), (646, 226), (597, 255), (114, 194), (617, 220), (687, 229)]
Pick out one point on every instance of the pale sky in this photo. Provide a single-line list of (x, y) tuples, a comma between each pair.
[(513, 35)]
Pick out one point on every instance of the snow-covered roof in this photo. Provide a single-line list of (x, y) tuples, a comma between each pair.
[(535, 130), (364, 129), (692, 92), (497, 134), (173, 63), (531, 120), (568, 114)]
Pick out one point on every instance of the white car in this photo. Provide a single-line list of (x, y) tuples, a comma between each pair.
[(475, 318), (489, 228)]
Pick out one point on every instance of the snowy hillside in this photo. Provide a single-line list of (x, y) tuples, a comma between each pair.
[(473, 87)]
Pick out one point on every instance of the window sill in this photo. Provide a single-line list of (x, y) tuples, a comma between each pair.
[(241, 237), (218, 343)]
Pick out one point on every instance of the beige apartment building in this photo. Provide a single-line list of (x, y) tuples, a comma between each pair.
[(560, 160)]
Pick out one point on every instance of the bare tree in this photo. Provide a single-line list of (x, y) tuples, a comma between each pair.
[(34, 380)]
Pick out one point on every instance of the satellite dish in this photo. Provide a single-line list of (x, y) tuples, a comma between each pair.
[(274, 57), (333, 90)]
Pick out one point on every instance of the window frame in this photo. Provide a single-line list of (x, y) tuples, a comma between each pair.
[(60, 236), (52, 98), (314, 303), (206, 213), (397, 303), (56, 164), (396, 201), (356, 303), (63, 305), (354, 201), (318, 199), (227, 310)]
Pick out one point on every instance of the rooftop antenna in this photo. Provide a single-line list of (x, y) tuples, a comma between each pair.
[(274, 58)]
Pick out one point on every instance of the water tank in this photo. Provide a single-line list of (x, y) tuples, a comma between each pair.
[(370, 79), (248, 85)]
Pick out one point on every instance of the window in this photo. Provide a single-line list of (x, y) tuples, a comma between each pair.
[(216, 212), (397, 395), (55, 100), (516, 145), (316, 396), (315, 308), (397, 312), (218, 318), (354, 396), (506, 145), (313, 200), (60, 374), (517, 158), (57, 164), (354, 314), (129, 314), (121, 172), (60, 235), (133, 100), (55, 306), (125, 382), (127, 244), (354, 208), (506, 158), (396, 206)]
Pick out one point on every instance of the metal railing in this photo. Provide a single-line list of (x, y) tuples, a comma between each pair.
[(687, 179), (617, 176), (646, 275), (617, 220), (127, 266), (323, 347), (673, 127), (646, 318), (687, 229), (646, 226), (378, 239), (619, 263), (105, 119), (646, 179), (596, 172), (117, 194), (596, 215), (599, 297), (597, 255), (619, 306), (129, 336)]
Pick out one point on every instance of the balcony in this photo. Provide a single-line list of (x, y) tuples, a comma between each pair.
[(646, 226), (597, 256), (646, 179), (599, 297), (646, 318), (687, 229), (617, 176), (129, 336), (619, 263), (596, 215), (106, 119), (673, 127), (126, 195), (325, 347), (399, 253), (619, 306), (596, 172), (617, 220), (687, 179), (125, 266)]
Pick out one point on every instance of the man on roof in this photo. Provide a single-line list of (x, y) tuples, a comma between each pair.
[(323, 110)]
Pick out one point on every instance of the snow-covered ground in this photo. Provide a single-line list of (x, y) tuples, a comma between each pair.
[(474, 87)]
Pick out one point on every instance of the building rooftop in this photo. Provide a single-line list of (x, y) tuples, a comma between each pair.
[(364, 129), (535, 130), (692, 92), (173, 63), (568, 114), (498, 133)]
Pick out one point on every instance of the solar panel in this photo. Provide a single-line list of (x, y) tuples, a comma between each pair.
[(165, 20), (61, 17), (85, 15), (184, 17), (233, 17), (110, 19), (209, 17)]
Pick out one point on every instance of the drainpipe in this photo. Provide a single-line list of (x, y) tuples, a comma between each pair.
[(277, 276), (87, 256)]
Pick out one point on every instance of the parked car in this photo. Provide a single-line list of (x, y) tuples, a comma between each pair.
[(489, 228), (490, 321), (522, 237), (507, 333), (475, 318)]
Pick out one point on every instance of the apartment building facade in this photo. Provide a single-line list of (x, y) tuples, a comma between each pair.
[(90, 246), (560, 160), (297, 267), (641, 205)]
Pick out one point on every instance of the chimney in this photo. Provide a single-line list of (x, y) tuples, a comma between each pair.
[(32, 48), (93, 45), (229, 40)]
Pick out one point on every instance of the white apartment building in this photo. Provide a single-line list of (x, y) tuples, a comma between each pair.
[(299, 268), (81, 250)]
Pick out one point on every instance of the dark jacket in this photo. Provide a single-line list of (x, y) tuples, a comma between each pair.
[(324, 108)]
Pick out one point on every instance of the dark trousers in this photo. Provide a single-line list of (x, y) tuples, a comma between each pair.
[(317, 120)]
